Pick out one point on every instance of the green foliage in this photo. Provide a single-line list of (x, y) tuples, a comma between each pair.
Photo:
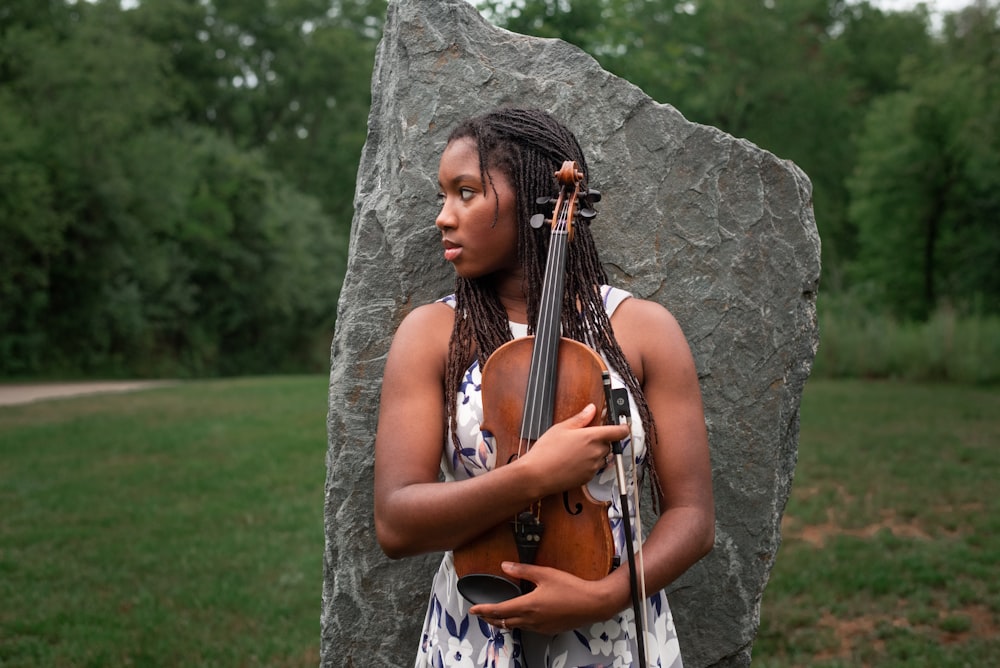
[(165, 207), (925, 191), (291, 77), (176, 179), (856, 342), (30, 235)]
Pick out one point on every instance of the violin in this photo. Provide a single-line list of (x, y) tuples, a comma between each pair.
[(528, 385)]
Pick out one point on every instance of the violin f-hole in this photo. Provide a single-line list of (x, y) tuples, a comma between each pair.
[(579, 506)]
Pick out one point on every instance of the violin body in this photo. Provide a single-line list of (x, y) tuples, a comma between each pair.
[(576, 534)]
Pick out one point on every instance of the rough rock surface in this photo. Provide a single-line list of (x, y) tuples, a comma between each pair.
[(716, 229)]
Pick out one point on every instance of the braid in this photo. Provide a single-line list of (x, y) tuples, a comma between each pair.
[(529, 146)]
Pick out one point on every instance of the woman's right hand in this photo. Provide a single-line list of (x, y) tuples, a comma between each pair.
[(570, 453)]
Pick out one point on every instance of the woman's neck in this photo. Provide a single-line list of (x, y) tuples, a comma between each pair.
[(510, 291)]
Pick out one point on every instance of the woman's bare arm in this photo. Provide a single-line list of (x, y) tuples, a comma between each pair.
[(414, 512)]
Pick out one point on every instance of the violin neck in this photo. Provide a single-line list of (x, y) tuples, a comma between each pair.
[(540, 397)]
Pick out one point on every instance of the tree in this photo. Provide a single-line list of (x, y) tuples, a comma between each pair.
[(135, 241), (30, 237), (291, 78), (925, 192), (794, 77), (87, 88)]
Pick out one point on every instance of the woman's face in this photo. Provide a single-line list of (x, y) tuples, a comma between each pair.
[(478, 228)]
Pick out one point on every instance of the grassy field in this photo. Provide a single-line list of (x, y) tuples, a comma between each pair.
[(182, 526), (171, 527), (891, 552)]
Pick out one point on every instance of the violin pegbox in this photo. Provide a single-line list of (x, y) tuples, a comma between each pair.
[(587, 212), (540, 219), (572, 203)]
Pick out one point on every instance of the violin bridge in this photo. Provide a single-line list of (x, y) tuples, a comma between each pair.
[(528, 531)]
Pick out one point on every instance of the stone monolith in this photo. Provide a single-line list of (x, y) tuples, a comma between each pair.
[(716, 229)]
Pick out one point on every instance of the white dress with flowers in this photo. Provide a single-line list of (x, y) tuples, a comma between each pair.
[(453, 637)]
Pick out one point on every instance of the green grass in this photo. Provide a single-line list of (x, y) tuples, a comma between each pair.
[(891, 552), (172, 527), (183, 526)]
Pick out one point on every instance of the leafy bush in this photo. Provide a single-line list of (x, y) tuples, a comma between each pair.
[(856, 342)]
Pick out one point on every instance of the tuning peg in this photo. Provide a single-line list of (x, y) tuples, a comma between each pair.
[(537, 220), (587, 214), (594, 196)]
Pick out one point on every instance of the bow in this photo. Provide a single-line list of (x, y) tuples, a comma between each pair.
[(619, 413)]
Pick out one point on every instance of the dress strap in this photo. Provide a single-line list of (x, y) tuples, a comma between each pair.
[(613, 297)]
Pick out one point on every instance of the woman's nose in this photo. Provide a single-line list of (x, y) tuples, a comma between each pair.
[(445, 218)]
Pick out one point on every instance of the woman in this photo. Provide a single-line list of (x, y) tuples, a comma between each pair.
[(492, 171)]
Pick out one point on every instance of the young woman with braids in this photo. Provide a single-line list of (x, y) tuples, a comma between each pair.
[(491, 173)]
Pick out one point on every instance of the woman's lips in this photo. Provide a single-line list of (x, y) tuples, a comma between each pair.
[(451, 251)]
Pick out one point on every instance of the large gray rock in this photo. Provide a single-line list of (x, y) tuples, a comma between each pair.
[(716, 229)]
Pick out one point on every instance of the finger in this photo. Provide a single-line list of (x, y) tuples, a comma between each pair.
[(503, 623), (583, 418), (494, 612), (487, 611), (609, 432), (616, 432), (496, 620), (521, 571)]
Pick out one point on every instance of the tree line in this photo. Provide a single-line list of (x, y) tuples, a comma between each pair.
[(176, 176), (177, 182), (893, 118)]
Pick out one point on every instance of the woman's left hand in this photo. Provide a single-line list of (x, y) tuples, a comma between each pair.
[(560, 601)]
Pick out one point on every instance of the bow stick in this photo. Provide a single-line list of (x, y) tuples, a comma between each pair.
[(619, 413)]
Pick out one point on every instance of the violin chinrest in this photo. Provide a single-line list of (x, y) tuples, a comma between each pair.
[(487, 588)]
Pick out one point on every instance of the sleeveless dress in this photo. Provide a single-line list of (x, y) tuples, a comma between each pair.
[(453, 637)]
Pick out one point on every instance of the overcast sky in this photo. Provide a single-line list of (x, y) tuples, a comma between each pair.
[(935, 5)]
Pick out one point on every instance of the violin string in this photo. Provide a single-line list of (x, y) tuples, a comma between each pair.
[(551, 339), (548, 320), (547, 335)]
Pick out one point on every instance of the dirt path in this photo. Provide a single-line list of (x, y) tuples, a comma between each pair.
[(23, 394)]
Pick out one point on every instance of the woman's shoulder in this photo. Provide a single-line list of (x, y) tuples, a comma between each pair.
[(449, 300), (426, 329), (419, 347), (615, 298), (429, 318), (622, 305), (637, 310), (647, 329)]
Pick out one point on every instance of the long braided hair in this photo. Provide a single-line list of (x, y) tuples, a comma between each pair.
[(529, 146)]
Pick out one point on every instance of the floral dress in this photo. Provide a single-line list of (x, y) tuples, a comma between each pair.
[(453, 637)]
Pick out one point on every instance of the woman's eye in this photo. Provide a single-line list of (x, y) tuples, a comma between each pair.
[(464, 194)]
